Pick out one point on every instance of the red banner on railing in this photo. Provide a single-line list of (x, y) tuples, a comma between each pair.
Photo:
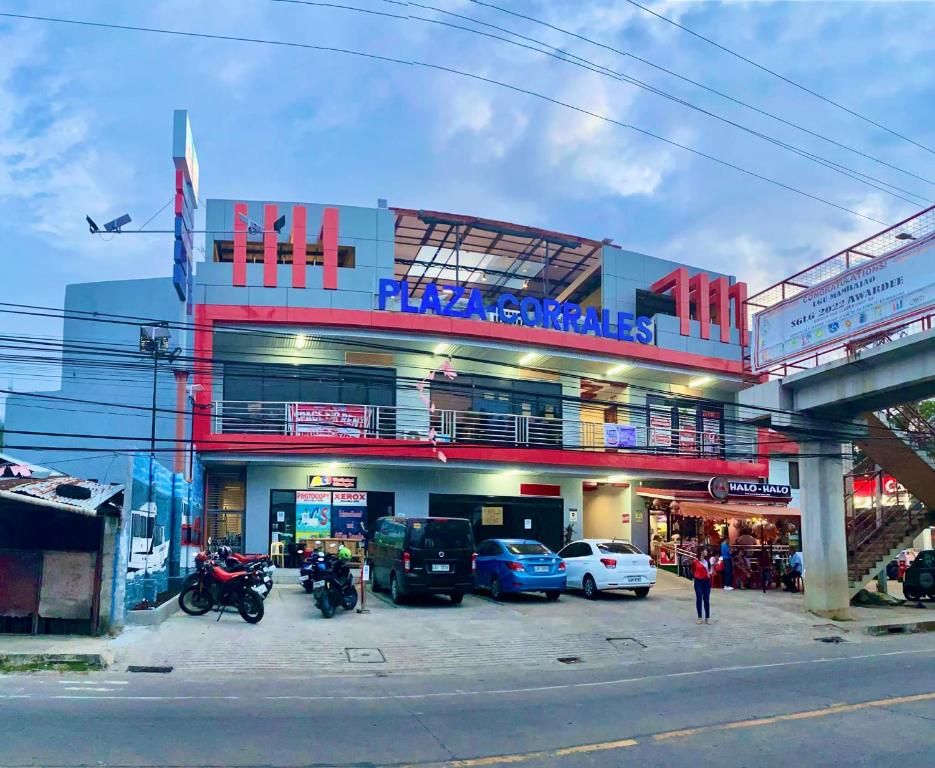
[(328, 420)]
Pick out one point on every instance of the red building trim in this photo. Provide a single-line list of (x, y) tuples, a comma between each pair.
[(208, 315), (270, 246), (304, 445), (719, 301), (539, 489), (329, 243), (468, 329), (677, 282), (699, 291), (299, 240), (738, 294), (240, 244)]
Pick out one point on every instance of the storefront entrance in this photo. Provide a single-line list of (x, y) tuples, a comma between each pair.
[(506, 517)]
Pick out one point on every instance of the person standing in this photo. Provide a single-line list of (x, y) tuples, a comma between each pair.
[(765, 561), (728, 574), (701, 576)]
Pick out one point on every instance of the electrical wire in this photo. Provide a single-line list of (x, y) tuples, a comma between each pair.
[(458, 73), (660, 68), (777, 75)]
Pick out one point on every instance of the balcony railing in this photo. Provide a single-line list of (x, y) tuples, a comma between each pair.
[(351, 422)]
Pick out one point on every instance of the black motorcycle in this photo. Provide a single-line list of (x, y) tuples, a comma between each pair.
[(332, 584), (211, 585)]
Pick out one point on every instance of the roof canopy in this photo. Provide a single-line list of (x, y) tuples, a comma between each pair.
[(494, 256), (713, 511), (86, 498)]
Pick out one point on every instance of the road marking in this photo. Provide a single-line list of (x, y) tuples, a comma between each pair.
[(684, 733), (102, 690), (91, 682), (514, 691)]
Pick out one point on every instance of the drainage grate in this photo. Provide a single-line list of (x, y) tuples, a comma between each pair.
[(158, 670), (365, 655), (624, 643), (831, 639), (569, 659), (898, 629)]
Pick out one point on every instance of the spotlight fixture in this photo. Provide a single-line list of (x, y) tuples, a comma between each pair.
[(701, 381), (92, 226), (279, 224), (620, 368)]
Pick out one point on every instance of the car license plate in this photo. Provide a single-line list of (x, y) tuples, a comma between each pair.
[(441, 567), (318, 584), (303, 577), (634, 579), (541, 569)]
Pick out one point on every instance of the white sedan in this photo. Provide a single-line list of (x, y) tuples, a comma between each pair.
[(593, 565)]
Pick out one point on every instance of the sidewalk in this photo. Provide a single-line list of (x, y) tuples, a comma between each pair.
[(434, 636)]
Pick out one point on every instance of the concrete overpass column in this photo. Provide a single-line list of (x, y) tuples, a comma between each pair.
[(824, 543)]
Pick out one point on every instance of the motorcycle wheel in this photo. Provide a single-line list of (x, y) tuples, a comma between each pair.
[(250, 607), (195, 601), (327, 608), (349, 600)]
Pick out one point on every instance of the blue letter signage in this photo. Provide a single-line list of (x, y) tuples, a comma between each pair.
[(510, 309)]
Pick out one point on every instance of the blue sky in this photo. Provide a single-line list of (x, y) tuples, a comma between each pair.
[(85, 125)]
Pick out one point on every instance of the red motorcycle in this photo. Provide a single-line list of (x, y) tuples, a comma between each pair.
[(213, 586)]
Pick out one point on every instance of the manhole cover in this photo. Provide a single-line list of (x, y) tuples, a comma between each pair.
[(365, 655), (157, 670), (831, 639), (569, 659), (623, 643)]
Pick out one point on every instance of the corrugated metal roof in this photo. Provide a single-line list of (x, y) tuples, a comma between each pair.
[(45, 493)]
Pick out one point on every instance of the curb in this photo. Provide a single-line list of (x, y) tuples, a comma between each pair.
[(903, 628), (35, 661), (154, 616)]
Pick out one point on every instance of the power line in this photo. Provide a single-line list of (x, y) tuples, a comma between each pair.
[(591, 66), (458, 73), (777, 75), (660, 68)]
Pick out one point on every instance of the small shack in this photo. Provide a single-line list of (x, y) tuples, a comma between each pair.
[(58, 537)]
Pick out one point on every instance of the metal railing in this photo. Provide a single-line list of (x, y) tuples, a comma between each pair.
[(469, 428)]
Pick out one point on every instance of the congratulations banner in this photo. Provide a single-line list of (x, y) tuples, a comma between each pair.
[(872, 297)]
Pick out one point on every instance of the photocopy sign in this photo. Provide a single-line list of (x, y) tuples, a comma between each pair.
[(869, 297)]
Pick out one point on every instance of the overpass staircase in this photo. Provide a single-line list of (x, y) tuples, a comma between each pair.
[(878, 532)]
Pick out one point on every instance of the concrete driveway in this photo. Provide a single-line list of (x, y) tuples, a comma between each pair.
[(431, 635)]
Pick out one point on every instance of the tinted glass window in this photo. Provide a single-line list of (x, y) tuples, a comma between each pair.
[(488, 548), (435, 534), (618, 548), (575, 550), (528, 548)]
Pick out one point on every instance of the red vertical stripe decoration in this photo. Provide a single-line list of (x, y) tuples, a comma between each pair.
[(299, 239), (699, 290), (677, 282), (720, 302), (240, 244), (179, 193), (270, 246), (738, 293), (329, 244)]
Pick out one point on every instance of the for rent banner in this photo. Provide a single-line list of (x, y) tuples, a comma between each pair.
[(350, 511), (870, 297), (312, 515), (328, 420)]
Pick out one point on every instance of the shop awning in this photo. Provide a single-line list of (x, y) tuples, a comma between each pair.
[(714, 511)]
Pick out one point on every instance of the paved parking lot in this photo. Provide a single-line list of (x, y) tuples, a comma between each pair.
[(431, 635)]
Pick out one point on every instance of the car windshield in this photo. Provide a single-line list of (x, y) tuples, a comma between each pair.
[(527, 548), (618, 548), (438, 534)]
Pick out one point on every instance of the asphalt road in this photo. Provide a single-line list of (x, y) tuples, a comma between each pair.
[(849, 704)]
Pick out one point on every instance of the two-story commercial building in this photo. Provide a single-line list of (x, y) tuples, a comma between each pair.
[(339, 363)]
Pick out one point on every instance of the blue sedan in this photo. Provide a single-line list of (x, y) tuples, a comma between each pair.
[(519, 565)]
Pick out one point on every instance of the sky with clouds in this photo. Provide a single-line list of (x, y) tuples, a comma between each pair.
[(85, 123)]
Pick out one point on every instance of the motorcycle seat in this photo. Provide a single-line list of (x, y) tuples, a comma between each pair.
[(221, 575)]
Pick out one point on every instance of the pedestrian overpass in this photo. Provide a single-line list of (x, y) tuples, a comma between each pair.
[(861, 391)]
